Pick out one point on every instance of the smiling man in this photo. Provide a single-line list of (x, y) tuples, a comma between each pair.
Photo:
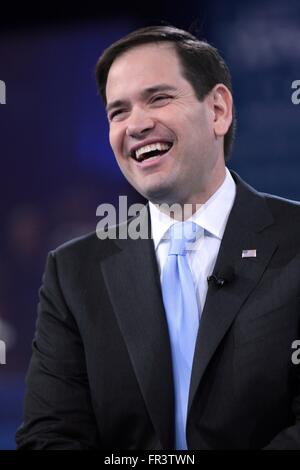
[(183, 339), (168, 144)]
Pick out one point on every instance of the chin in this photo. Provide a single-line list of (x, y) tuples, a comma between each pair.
[(159, 195)]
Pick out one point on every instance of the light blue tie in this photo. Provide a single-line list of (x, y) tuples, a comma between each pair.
[(179, 296)]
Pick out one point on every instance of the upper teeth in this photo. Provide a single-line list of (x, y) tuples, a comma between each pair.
[(150, 148)]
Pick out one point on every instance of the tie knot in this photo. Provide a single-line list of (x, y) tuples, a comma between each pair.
[(181, 235)]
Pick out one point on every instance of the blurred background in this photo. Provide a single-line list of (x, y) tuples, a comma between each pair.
[(56, 164)]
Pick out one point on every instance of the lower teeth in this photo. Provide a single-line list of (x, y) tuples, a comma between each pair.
[(151, 158), (154, 156)]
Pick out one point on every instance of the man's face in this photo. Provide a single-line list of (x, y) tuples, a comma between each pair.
[(162, 136)]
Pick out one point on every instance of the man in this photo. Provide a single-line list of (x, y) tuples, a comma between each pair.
[(111, 368)]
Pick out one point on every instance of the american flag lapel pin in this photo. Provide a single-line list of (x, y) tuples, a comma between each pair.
[(249, 254)]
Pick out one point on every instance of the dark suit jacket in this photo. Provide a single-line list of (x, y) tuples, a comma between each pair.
[(101, 374)]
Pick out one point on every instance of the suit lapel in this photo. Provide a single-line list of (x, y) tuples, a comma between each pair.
[(245, 230), (132, 280)]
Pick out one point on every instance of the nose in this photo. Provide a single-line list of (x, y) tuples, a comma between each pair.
[(139, 123)]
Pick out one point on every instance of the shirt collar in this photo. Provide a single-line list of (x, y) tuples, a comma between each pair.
[(211, 216)]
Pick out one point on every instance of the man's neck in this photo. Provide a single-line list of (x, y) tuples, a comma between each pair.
[(184, 210), (178, 211)]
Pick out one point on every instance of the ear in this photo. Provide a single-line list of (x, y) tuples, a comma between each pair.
[(222, 109)]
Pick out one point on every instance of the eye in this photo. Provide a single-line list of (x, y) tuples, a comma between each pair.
[(116, 114), (160, 99)]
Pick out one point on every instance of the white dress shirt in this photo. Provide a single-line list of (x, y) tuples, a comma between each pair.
[(212, 218)]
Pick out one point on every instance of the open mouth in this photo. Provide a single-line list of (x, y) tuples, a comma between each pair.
[(150, 151)]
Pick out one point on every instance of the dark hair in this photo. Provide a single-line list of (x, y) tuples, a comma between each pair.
[(202, 65)]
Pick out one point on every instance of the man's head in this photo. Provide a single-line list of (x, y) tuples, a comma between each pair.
[(162, 85)]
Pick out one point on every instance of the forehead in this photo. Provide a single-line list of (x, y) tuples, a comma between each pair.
[(143, 66)]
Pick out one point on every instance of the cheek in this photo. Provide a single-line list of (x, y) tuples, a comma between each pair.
[(115, 142)]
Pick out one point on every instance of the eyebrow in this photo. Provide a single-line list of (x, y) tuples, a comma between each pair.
[(144, 94)]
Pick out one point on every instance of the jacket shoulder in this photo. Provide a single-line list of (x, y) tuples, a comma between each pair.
[(83, 250), (285, 210)]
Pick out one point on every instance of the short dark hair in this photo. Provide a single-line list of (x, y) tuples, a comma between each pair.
[(202, 65)]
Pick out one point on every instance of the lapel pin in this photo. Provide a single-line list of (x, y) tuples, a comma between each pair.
[(249, 254)]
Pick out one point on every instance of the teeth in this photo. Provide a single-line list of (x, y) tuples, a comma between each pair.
[(150, 148)]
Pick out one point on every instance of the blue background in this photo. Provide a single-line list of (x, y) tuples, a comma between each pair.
[(56, 164)]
